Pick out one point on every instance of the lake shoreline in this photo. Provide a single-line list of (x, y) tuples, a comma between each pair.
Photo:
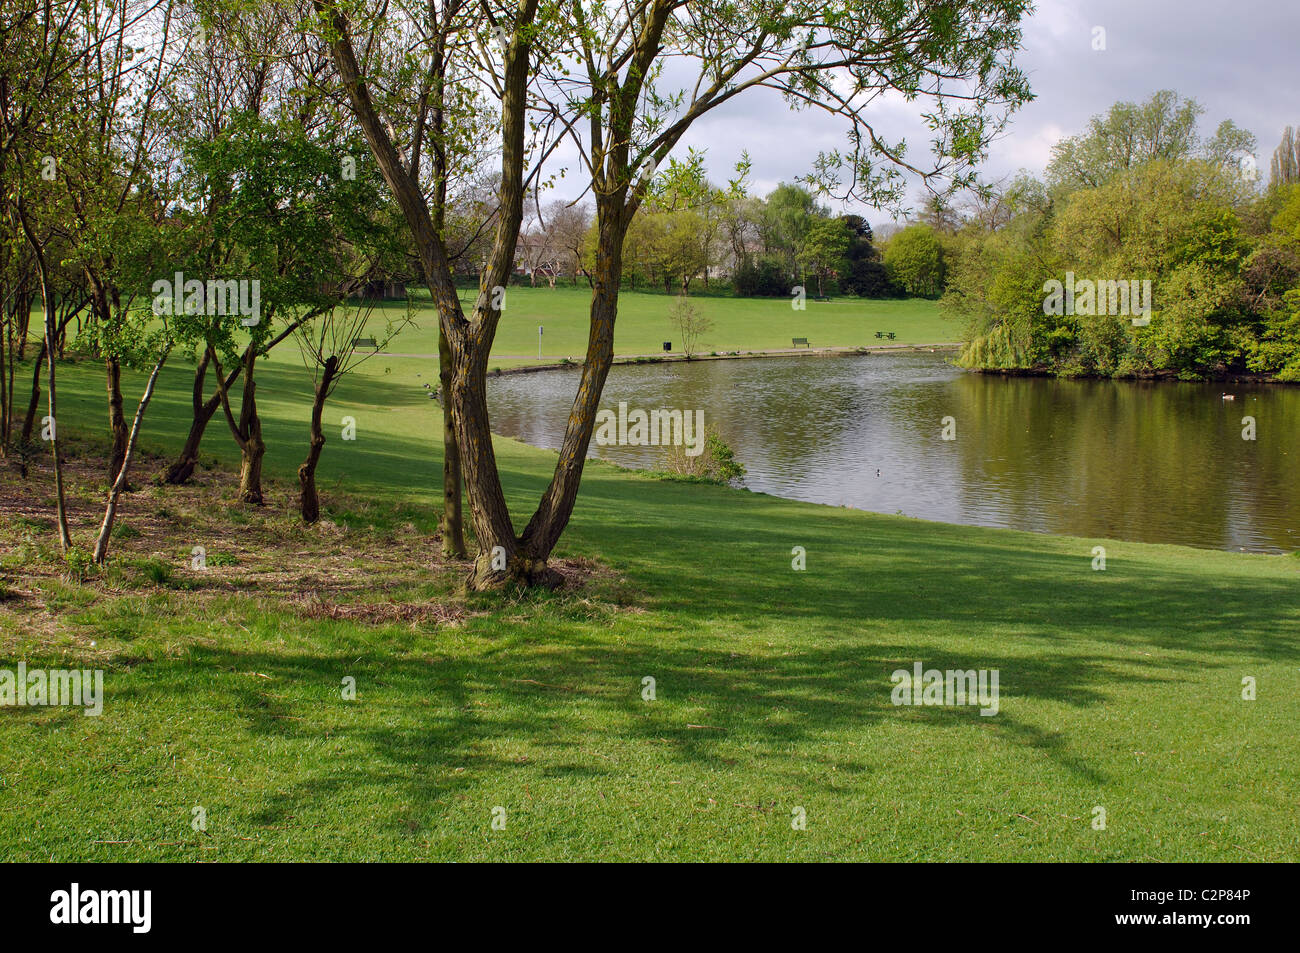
[(1157, 377), (638, 359), (874, 429)]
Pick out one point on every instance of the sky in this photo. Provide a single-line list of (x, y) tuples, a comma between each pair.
[(1239, 59)]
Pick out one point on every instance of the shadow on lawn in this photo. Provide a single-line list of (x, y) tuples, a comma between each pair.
[(440, 727)]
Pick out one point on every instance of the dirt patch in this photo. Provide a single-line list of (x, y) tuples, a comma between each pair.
[(313, 606), (362, 562)]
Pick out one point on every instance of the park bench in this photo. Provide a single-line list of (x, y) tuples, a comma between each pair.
[(886, 334), (365, 342), (822, 298), (795, 342)]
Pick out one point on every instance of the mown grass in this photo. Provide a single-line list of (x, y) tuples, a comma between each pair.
[(749, 324), (1120, 689)]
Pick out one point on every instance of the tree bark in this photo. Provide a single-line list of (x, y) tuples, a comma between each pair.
[(248, 431), (47, 300), (470, 341), (29, 423), (453, 520), (310, 499), (24, 317), (556, 507), (252, 450), (6, 405), (116, 418), (204, 410), (114, 494)]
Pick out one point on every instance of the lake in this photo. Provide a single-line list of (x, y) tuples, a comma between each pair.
[(1152, 462)]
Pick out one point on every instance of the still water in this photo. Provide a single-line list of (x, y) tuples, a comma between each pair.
[(1152, 462)]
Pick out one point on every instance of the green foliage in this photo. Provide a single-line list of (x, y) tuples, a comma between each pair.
[(80, 563), (1162, 206), (723, 464), (1132, 134), (764, 278), (914, 260), (824, 248), (716, 463)]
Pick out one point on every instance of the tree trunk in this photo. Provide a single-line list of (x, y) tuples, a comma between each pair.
[(6, 405), (310, 500), (453, 519), (29, 423), (24, 316), (248, 431), (47, 299), (497, 562), (250, 467), (250, 427), (116, 418), (114, 494), (470, 341), (181, 471), (556, 507)]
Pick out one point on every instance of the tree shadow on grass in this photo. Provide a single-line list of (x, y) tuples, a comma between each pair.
[(439, 729)]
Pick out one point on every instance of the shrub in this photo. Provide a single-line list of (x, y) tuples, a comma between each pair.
[(717, 463)]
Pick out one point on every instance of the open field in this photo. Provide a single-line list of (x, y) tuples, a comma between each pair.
[(751, 324), (1119, 689)]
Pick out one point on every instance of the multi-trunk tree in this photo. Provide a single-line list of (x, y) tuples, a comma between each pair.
[(596, 74)]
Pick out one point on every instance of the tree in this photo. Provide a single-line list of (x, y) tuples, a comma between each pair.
[(632, 123), (865, 274), (1130, 134), (567, 224), (329, 349), (222, 77), (596, 76), (691, 325), (1285, 167), (824, 249), (296, 229), (163, 344), (914, 260), (788, 212)]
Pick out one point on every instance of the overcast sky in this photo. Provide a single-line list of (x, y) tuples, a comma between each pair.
[(1239, 58)]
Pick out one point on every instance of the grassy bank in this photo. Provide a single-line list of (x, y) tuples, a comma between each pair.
[(1119, 689)]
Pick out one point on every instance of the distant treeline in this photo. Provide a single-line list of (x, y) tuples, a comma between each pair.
[(1140, 197)]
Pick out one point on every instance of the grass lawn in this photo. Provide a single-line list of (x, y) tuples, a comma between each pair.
[(1119, 689), (751, 324)]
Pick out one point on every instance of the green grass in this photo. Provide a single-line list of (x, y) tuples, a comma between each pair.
[(1119, 689), (750, 324)]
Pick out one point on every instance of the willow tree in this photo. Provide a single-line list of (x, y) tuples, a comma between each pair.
[(596, 72)]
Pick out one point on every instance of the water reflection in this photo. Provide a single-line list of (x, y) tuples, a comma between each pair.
[(1155, 462)]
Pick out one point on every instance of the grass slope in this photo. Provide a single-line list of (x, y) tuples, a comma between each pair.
[(1119, 689)]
